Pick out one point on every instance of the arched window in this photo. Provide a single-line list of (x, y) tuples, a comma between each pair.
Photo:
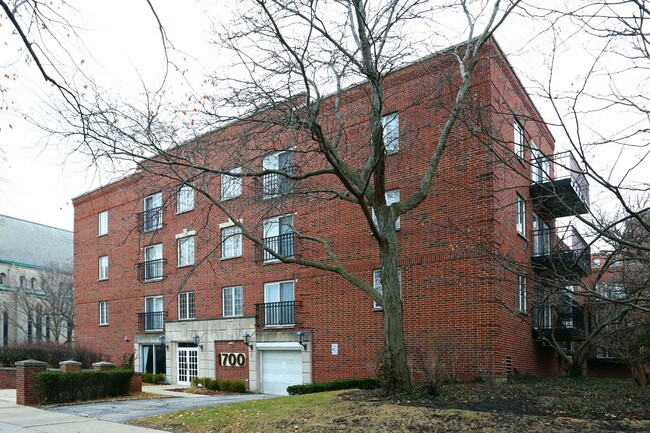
[(43, 285), (23, 282), (32, 284), (2, 278)]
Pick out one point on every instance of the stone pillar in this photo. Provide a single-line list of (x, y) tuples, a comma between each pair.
[(29, 390), (135, 383), (103, 366), (66, 366)]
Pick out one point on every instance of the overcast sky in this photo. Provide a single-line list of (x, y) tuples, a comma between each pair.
[(120, 46)]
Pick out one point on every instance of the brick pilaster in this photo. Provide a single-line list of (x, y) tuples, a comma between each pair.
[(29, 390)]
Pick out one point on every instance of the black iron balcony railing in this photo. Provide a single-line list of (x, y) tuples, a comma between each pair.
[(274, 184), (151, 321), (150, 270), (282, 245), (150, 219), (559, 185), (561, 250), (276, 314), (565, 321)]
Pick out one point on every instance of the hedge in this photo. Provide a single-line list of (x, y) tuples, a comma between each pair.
[(60, 387), (219, 385), (153, 378), (366, 383)]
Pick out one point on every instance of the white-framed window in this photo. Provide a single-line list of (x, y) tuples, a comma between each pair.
[(279, 305), (103, 313), (523, 293), (184, 199), (186, 251), (598, 262), (275, 184), (103, 268), (540, 164), (390, 125), (541, 237), (376, 283), (154, 314), (153, 262), (233, 301), (102, 223), (519, 140), (231, 185), (278, 236), (186, 306), (391, 196), (520, 214), (152, 212), (231, 240)]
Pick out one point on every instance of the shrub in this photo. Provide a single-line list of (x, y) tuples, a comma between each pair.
[(219, 385), (52, 353), (366, 383), (59, 387), (153, 378)]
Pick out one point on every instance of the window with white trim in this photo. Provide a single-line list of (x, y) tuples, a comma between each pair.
[(186, 306), (233, 301), (275, 184), (186, 251), (184, 199), (153, 262), (103, 313), (278, 236), (520, 213), (103, 268), (102, 223), (231, 185), (519, 140), (152, 212), (523, 293), (231, 240), (391, 196), (376, 283), (390, 125)]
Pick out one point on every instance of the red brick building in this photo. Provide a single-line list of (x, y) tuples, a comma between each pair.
[(153, 259)]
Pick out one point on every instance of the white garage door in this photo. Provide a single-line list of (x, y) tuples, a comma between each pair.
[(280, 368)]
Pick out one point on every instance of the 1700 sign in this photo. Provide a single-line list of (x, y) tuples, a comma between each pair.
[(232, 359)]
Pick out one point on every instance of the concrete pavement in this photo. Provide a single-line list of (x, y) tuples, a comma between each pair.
[(101, 417)]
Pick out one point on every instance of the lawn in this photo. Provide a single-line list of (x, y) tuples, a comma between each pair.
[(559, 405)]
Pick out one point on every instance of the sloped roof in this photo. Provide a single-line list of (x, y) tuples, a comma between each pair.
[(31, 244)]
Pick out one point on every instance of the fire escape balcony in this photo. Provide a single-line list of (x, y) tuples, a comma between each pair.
[(561, 252), (276, 314), (559, 186), (152, 321), (567, 324)]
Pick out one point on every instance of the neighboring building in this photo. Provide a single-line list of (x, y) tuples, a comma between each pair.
[(36, 297), (161, 275)]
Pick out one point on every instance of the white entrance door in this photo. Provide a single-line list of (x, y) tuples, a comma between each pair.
[(280, 369), (187, 364)]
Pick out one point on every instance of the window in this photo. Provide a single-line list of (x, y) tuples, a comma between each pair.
[(184, 199), (32, 284), (186, 306), (231, 185), (103, 268), (541, 237), (278, 236), (103, 313), (22, 282), (391, 197), (153, 212), (611, 290), (2, 278), (153, 313), (522, 293), (102, 223), (233, 301), (153, 263), (186, 251), (521, 215), (598, 263), (519, 140), (231, 242), (279, 304), (540, 165), (275, 184), (390, 125), (376, 282)]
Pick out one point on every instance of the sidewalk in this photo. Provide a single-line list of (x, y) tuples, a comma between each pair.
[(26, 419)]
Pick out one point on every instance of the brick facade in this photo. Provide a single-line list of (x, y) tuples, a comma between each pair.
[(460, 302), (7, 378)]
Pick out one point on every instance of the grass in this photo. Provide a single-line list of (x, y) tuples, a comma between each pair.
[(532, 406)]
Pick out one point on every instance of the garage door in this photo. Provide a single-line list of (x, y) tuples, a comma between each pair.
[(280, 368)]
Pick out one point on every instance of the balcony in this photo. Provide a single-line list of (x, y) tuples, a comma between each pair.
[(282, 245), (152, 321), (151, 270), (559, 186), (567, 325), (276, 184), (561, 251), (150, 219), (275, 314)]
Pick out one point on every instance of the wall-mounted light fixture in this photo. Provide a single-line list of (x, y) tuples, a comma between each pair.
[(196, 340), (162, 341), (247, 339), (301, 339)]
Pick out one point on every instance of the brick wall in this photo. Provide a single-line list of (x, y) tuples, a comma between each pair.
[(28, 388), (7, 378), (227, 352)]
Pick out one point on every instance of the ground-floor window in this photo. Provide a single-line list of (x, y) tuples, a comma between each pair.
[(153, 358)]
